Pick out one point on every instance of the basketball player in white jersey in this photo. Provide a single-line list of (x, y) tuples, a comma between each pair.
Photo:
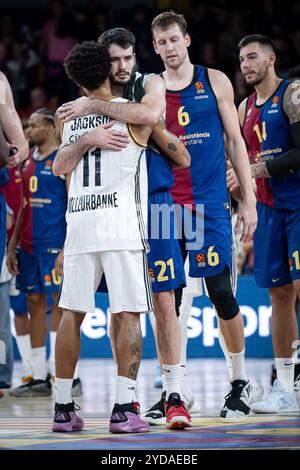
[(106, 233)]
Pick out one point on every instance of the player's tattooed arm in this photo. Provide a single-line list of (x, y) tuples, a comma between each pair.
[(291, 102), (147, 112), (171, 145)]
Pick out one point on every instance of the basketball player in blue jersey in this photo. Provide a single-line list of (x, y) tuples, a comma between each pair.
[(270, 118), (200, 107)]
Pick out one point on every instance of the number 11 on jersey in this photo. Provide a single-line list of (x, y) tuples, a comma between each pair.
[(86, 167)]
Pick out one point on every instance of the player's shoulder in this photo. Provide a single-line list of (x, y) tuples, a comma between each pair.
[(218, 77), (291, 91), (220, 83)]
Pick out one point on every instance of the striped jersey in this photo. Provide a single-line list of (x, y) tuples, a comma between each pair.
[(193, 115), (45, 203), (107, 203)]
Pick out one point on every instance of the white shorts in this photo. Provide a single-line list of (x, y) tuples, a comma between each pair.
[(127, 279)]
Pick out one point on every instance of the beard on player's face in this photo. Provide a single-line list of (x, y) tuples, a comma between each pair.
[(122, 82), (257, 77)]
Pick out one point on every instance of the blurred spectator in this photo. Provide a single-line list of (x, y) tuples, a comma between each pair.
[(38, 100), (58, 37), (20, 69)]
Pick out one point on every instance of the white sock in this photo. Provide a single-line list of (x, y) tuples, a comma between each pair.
[(24, 347), (238, 365), (285, 367), (63, 388), (125, 390), (173, 378), (185, 390), (185, 311), (225, 352), (164, 382), (52, 335), (76, 373), (51, 359), (39, 363)]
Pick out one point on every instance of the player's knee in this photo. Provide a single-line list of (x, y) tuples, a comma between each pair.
[(221, 295), (283, 295)]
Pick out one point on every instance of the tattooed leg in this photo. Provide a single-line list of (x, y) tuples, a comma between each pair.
[(126, 342)]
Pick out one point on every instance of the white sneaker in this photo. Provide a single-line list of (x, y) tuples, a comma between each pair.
[(236, 408), (279, 401), (256, 393), (192, 405)]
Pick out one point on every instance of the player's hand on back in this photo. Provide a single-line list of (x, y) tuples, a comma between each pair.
[(106, 138), (80, 107), (247, 216)]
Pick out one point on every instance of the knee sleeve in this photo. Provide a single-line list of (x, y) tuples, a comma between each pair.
[(221, 295), (178, 299)]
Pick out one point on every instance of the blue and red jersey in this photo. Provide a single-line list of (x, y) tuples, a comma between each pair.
[(267, 132), (193, 115), (45, 204)]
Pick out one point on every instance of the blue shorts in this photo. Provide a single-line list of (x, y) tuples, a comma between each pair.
[(165, 263), (37, 275), (212, 249), (276, 246), (19, 304), (2, 228)]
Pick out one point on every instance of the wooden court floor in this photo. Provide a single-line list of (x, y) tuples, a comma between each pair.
[(25, 424)]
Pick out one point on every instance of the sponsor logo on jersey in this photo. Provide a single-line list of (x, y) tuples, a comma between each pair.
[(200, 90), (47, 280), (201, 260), (199, 87), (275, 101), (48, 164)]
